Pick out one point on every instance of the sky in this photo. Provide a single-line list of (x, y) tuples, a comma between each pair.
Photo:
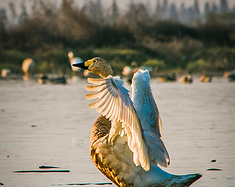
[(123, 4)]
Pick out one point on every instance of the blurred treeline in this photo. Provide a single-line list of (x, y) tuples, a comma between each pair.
[(49, 33)]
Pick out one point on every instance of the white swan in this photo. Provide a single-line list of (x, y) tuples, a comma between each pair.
[(126, 144), (27, 67), (74, 60)]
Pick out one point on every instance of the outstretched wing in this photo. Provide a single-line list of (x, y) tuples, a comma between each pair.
[(150, 121), (114, 103)]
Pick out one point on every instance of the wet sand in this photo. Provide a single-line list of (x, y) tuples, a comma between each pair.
[(50, 125)]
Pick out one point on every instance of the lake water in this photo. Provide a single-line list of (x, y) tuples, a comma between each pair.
[(50, 125)]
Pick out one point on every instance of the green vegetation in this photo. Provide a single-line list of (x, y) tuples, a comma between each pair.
[(52, 32)]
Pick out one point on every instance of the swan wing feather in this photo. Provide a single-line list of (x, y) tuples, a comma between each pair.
[(150, 120), (114, 103)]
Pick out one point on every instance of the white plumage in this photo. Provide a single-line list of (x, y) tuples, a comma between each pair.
[(148, 114)]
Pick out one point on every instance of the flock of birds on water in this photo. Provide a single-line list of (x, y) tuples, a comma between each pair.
[(126, 143), (28, 66)]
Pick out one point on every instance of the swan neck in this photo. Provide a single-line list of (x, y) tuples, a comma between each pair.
[(105, 73)]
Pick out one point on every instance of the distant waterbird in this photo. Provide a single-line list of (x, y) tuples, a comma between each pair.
[(5, 72), (27, 67), (128, 71), (186, 79), (74, 60), (167, 78), (205, 78), (44, 79), (126, 142), (229, 75)]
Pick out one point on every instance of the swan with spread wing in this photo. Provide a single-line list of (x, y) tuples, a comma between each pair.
[(126, 144)]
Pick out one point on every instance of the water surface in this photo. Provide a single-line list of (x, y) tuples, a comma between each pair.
[(50, 125)]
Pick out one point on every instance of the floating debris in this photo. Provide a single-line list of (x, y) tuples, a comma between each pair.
[(46, 167), (46, 170), (83, 184), (213, 160), (214, 169), (33, 125), (1, 183)]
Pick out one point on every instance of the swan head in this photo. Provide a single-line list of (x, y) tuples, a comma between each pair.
[(98, 66)]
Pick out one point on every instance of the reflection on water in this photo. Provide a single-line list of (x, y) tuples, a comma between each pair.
[(50, 125)]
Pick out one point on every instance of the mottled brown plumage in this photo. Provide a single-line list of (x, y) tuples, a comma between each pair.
[(99, 130)]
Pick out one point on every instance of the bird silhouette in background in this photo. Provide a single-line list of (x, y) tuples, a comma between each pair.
[(186, 79), (27, 67), (229, 75), (74, 60), (126, 143), (205, 78), (167, 78)]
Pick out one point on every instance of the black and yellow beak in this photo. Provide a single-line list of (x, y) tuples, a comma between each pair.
[(84, 65), (80, 65)]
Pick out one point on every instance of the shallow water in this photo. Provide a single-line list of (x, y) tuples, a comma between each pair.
[(50, 125)]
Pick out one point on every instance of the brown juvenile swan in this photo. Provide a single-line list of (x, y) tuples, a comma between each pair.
[(126, 144)]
